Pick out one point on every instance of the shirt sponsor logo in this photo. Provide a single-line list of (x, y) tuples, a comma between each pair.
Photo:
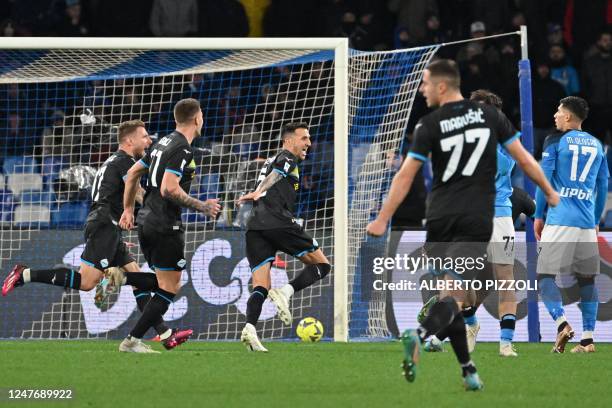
[(578, 193)]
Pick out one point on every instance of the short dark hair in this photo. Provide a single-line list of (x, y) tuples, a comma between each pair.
[(487, 97), (447, 69), (290, 128), (186, 109), (577, 106), (127, 127)]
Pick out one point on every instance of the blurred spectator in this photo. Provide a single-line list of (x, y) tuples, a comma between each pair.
[(72, 24), (562, 71), (546, 95), (350, 28), (52, 137), (222, 18), (174, 18), (597, 80), (582, 24), (279, 19), (403, 39), (434, 34), (7, 28), (494, 14), (487, 48), (132, 21), (255, 11), (14, 137), (555, 35), (412, 15), (506, 80)]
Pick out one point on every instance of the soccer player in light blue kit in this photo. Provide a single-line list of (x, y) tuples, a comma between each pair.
[(575, 163)]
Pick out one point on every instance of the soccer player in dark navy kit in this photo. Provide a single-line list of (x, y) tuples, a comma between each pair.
[(104, 247), (272, 227), (461, 137), (170, 168)]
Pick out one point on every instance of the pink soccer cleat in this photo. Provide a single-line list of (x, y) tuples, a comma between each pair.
[(177, 338), (13, 279)]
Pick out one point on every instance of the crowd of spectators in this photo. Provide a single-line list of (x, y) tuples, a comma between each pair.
[(570, 48)]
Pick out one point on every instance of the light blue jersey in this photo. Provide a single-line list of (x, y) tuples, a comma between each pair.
[(503, 183), (577, 168)]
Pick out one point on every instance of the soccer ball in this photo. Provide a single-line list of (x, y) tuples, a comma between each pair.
[(310, 330)]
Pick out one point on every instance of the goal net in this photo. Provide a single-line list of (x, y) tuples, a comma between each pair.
[(59, 110)]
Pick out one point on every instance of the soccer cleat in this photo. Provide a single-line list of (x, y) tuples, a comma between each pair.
[(471, 382), (433, 345), (13, 280), (563, 337), (471, 332), (177, 338), (132, 345), (507, 350), (250, 340), (109, 285), (425, 309), (282, 306), (412, 350), (590, 348)]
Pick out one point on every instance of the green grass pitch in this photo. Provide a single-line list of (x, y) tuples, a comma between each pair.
[(215, 374)]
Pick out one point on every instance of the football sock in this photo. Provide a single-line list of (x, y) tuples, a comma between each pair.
[(458, 340), (587, 338), (507, 325), (469, 315), (141, 280), (589, 303), (561, 323), (63, 277), (440, 315), (551, 296), (309, 275), (255, 303), (142, 298), (153, 311)]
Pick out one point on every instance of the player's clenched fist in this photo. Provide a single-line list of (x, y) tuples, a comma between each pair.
[(376, 228), (127, 220), (211, 207)]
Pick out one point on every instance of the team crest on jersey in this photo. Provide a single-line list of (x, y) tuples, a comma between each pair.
[(104, 263)]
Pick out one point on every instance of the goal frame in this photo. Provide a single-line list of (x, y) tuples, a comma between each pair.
[(341, 54)]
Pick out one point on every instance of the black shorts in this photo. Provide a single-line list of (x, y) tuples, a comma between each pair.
[(460, 238), (104, 246), (261, 245), (162, 250)]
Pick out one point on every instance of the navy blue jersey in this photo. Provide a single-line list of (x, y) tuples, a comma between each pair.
[(462, 139), (108, 186), (276, 208), (172, 154)]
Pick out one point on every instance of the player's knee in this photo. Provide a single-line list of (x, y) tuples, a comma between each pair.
[(87, 283)]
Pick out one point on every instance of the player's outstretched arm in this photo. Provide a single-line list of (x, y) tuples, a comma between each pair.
[(400, 186), (171, 190), (533, 170), (132, 186), (267, 183)]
